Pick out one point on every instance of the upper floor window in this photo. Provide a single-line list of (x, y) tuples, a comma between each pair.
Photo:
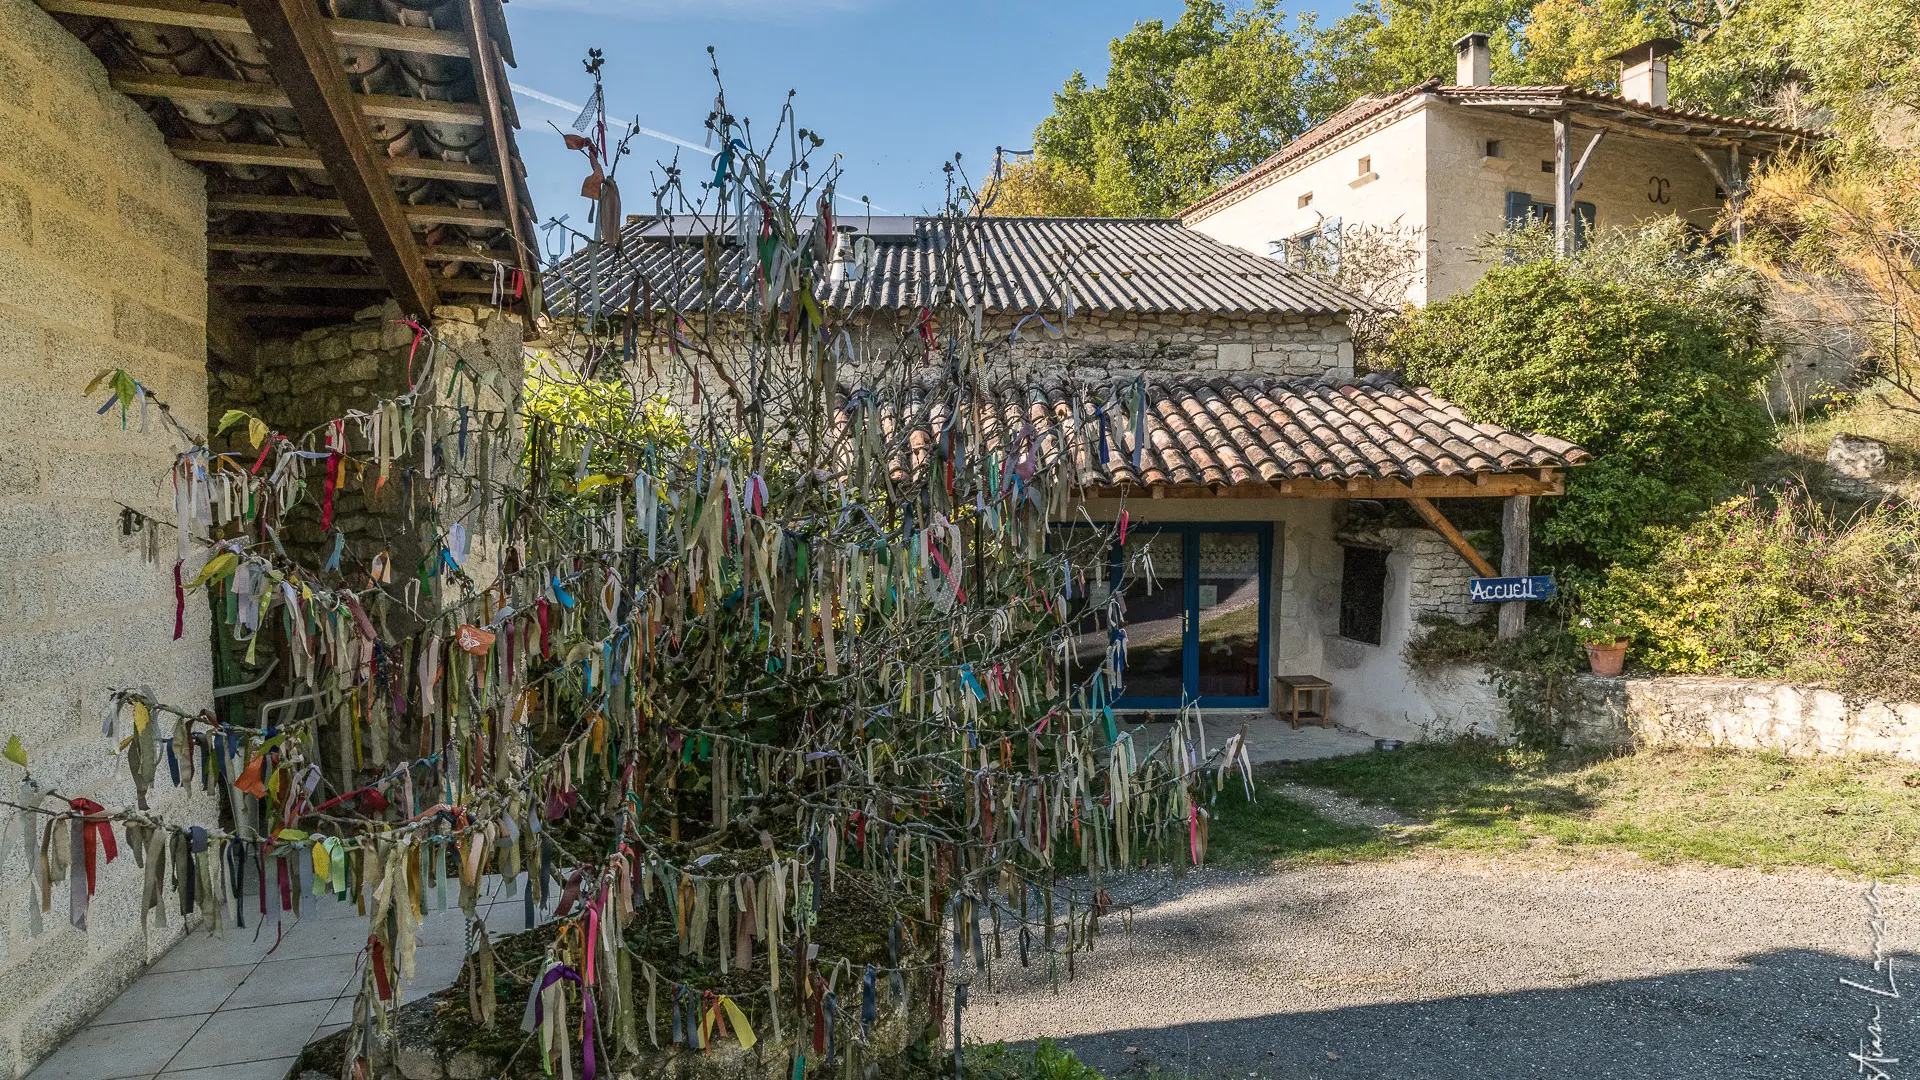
[(1366, 165), (1304, 201), (1316, 250), (1493, 148)]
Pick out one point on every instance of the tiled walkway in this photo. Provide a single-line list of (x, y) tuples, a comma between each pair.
[(237, 1008)]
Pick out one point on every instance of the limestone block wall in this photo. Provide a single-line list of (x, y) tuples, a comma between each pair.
[(1436, 577), (1629, 180), (299, 384), (1747, 714), (102, 264), (1119, 345)]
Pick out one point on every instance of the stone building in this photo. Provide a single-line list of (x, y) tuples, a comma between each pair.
[(1251, 553), (1452, 166), (190, 192)]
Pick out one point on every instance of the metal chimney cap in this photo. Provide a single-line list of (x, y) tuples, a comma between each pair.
[(1649, 50)]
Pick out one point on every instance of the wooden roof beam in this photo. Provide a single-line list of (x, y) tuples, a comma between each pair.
[(297, 157), (308, 206), (300, 52), (243, 279), (486, 77), (260, 95), (324, 246), (225, 18)]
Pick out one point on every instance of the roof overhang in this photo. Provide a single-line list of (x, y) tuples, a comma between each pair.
[(348, 161)]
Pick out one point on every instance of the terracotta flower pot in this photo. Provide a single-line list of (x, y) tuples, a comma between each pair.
[(1607, 659)]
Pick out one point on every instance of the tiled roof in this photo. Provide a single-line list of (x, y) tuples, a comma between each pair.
[(1235, 431), (1008, 264), (1590, 102)]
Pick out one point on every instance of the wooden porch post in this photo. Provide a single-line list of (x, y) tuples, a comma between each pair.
[(1516, 536), (1563, 184)]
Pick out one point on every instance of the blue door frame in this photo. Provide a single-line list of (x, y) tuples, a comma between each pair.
[(1190, 638)]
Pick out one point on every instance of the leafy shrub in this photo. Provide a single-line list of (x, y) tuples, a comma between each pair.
[(1641, 349), (1048, 1061), (1786, 591)]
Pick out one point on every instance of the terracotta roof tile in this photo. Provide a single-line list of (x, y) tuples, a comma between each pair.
[(1229, 431)]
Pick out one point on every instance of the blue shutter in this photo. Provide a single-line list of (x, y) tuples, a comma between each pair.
[(1519, 208)]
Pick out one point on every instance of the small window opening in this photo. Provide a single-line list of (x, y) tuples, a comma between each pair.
[(1546, 165), (1304, 200), (1366, 165), (1363, 594), (1493, 148)]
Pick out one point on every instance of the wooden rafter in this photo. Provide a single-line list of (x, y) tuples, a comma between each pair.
[(486, 79), (244, 279), (294, 157), (321, 246), (225, 18), (307, 206), (304, 61), (260, 95)]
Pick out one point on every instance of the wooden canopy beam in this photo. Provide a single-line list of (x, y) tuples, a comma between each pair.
[(307, 206), (1478, 486), (260, 95), (295, 157), (225, 18), (244, 279), (1438, 523), (487, 82), (324, 246)]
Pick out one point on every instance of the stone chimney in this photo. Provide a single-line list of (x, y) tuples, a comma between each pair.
[(1643, 71), (1472, 61)]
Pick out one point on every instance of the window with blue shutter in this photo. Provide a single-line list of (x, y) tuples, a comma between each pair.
[(1523, 208)]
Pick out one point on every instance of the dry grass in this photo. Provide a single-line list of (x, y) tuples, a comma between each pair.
[(1726, 808)]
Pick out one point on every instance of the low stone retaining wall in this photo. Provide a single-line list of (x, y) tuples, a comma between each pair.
[(1743, 713)]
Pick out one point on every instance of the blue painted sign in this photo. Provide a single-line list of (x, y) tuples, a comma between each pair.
[(1496, 590)]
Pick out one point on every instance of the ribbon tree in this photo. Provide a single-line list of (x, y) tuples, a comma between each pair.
[(773, 686)]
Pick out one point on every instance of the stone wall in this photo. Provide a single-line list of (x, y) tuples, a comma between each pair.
[(1436, 578), (300, 384), (1096, 346), (1740, 713), (1121, 345), (102, 265)]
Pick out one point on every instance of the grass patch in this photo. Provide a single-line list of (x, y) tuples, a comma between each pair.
[(1719, 807), (1275, 829)]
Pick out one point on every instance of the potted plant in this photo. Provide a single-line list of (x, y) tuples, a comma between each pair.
[(1606, 643)]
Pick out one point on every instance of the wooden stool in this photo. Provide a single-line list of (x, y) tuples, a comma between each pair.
[(1288, 701)]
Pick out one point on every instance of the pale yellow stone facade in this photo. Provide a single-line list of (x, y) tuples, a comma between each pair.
[(1424, 165)]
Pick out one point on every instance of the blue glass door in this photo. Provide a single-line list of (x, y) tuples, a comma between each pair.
[(1196, 599)]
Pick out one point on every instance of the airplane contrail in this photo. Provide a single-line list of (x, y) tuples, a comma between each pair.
[(559, 103)]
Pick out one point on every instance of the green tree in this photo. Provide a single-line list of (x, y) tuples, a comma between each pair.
[(1037, 187), (1184, 107), (1647, 354)]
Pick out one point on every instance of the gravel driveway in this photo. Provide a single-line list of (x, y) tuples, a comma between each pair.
[(1440, 968)]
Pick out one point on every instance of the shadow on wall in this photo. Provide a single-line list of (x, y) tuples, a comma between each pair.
[(1782, 1014)]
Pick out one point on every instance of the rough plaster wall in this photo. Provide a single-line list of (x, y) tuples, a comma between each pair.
[(102, 240)]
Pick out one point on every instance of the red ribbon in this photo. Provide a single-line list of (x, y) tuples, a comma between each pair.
[(326, 503), (99, 833)]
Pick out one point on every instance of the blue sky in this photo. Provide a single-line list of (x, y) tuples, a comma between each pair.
[(896, 86)]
